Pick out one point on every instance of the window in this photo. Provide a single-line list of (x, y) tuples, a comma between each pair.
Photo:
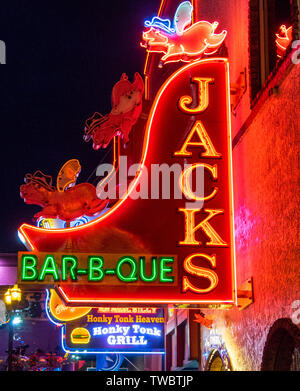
[(266, 18), (169, 350), (282, 347), (181, 343)]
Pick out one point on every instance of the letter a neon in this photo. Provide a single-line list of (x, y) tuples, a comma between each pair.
[(204, 141)]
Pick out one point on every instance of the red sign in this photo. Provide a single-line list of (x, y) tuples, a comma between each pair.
[(189, 124)]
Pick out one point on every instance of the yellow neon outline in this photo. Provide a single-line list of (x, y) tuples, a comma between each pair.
[(192, 55), (54, 296), (80, 342), (71, 180)]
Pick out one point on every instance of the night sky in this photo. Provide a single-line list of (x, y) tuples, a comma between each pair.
[(63, 59)]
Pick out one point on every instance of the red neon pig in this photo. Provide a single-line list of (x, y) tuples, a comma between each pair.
[(126, 110)]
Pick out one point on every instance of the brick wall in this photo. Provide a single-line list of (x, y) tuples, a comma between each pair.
[(266, 177)]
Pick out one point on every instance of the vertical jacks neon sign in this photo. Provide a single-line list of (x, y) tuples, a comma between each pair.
[(189, 121)]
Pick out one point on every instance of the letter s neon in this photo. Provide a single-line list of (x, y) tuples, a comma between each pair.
[(199, 272)]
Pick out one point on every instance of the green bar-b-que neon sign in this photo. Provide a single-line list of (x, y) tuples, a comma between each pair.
[(112, 269)]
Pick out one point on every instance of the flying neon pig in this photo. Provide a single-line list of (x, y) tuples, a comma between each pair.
[(126, 110), (182, 43)]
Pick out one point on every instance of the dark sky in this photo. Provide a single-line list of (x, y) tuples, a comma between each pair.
[(63, 59)]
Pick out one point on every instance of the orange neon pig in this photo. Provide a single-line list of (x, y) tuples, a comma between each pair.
[(68, 205), (283, 39)]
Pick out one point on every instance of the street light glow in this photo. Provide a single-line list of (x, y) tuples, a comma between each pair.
[(17, 320)]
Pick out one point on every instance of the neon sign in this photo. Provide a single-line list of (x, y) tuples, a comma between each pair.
[(58, 312), (126, 333), (199, 239), (54, 268), (131, 330), (127, 107), (152, 251), (132, 334), (186, 41), (284, 38), (162, 24), (67, 205)]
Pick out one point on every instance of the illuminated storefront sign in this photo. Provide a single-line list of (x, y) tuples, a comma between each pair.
[(190, 249), (108, 330), (143, 249)]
